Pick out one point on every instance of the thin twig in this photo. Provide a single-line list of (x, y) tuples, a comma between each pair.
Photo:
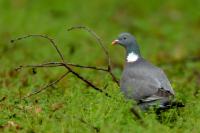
[(87, 67), (3, 98), (56, 64), (70, 70), (95, 36), (86, 81), (48, 85), (96, 129), (109, 69), (137, 115), (42, 36)]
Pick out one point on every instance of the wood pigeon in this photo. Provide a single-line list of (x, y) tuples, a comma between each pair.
[(145, 83)]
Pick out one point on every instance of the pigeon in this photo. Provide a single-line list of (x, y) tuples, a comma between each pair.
[(142, 81)]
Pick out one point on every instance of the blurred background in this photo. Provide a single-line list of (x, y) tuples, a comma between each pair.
[(167, 32), (163, 28)]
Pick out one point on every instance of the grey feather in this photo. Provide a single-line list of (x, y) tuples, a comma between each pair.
[(142, 81)]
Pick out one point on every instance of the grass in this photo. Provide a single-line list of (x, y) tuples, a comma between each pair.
[(168, 34)]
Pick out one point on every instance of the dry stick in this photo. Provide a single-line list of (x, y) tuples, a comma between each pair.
[(3, 98), (42, 36), (70, 70), (65, 65), (96, 129), (86, 81), (109, 69), (137, 115), (48, 85), (56, 64), (87, 67)]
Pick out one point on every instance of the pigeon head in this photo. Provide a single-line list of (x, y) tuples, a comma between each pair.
[(128, 41), (124, 39)]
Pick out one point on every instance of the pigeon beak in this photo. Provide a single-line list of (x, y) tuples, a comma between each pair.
[(115, 42)]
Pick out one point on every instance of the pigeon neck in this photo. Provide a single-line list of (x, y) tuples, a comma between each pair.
[(132, 54)]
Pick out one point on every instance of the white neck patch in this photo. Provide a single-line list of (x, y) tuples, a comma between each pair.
[(132, 57)]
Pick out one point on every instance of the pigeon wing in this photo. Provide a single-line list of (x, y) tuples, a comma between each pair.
[(165, 84)]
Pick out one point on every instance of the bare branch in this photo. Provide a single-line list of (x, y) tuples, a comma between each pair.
[(38, 65), (61, 56), (42, 36), (87, 67), (137, 115), (56, 64), (96, 129), (70, 70), (48, 85), (53, 64), (96, 37), (109, 69), (86, 81), (3, 98)]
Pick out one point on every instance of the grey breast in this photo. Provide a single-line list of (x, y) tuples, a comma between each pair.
[(142, 81)]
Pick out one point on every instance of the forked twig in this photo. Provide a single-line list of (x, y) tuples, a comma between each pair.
[(62, 63), (41, 36), (47, 86), (56, 64), (109, 69), (96, 37)]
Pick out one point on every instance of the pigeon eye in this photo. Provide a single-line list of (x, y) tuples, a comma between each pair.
[(124, 38)]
